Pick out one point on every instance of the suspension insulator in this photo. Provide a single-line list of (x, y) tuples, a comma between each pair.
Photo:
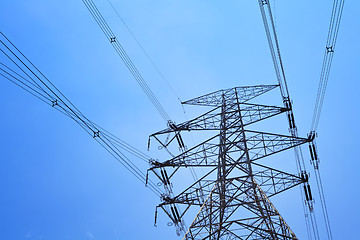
[(166, 177), (163, 177), (314, 150), (306, 193), (311, 152), (309, 190), (177, 214), (181, 141), (293, 120), (173, 213), (290, 124), (178, 140)]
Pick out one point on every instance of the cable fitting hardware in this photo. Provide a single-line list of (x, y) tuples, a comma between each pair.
[(54, 103), (329, 49), (96, 134), (311, 136), (304, 177)]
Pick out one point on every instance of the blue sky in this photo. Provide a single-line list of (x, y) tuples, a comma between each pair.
[(58, 183)]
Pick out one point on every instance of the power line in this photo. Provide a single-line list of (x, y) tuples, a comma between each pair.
[(125, 57), (333, 31), (336, 14), (39, 86), (270, 29), (145, 52)]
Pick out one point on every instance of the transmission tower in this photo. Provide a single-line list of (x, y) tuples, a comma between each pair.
[(233, 196)]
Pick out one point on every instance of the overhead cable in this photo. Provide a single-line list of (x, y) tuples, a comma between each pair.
[(334, 26), (111, 37), (271, 34), (145, 52), (333, 31), (31, 79)]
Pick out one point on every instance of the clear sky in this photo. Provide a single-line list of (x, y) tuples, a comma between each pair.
[(57, 183)]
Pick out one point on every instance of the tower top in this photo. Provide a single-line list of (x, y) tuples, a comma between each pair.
[(241, 94)]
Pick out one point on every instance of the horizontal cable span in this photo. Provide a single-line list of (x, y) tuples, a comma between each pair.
[(29, 78)]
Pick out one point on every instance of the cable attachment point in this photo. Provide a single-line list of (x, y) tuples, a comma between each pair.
[(154, 163), (304, 177), (287, 103), (54, 103), (112, 39), (329, 49), (178, 137), (311, 136), (313, 152), (96, 134), (172, 125), (264, 2), (166, 199)]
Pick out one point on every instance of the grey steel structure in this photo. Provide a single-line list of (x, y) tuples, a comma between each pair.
[(233, 196)]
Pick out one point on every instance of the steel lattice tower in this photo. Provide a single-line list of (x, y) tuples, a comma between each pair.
[(233, 197)]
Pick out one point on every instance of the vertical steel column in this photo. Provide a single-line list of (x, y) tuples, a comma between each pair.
[(222, 167), (265, 216)]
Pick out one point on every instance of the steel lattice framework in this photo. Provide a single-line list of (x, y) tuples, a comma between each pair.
[(233, 197)]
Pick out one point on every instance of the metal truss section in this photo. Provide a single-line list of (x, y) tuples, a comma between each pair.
[(259, 219), (233, 191), (271, 181), (235, 95), (211, 120), (260, 145)]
